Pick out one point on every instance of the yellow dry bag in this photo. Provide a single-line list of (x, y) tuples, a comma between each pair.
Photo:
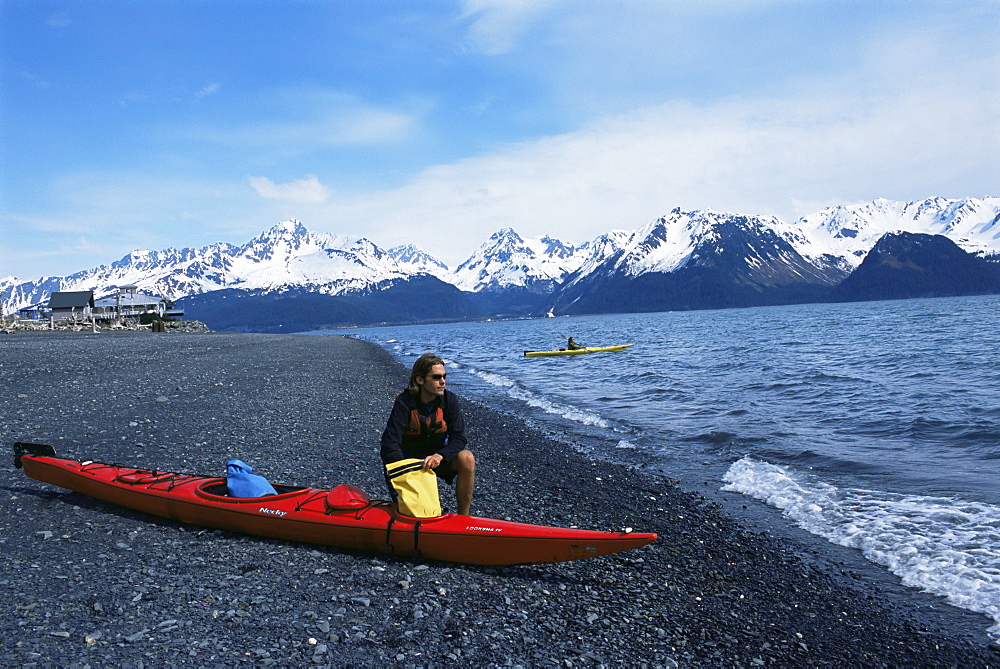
[(416, 489)]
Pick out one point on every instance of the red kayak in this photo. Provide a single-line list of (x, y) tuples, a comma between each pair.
[(344, 517)]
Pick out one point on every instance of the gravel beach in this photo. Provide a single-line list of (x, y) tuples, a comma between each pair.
[(84, 583)]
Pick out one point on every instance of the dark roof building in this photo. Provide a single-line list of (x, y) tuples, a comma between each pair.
[(65, 305)]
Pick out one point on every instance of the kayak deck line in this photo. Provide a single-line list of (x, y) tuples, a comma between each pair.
[(342, 517)]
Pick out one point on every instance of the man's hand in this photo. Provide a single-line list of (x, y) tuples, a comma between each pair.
[(432, 461)]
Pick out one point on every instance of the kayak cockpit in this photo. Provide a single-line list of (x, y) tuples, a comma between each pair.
[(218, 490), (343, 498)]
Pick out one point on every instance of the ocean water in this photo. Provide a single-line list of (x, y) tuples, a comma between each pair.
[(874, 425)]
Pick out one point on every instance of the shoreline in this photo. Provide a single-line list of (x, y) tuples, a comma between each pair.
[(90, 583)]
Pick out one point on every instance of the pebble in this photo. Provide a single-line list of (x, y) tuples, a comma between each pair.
[(125, 589)]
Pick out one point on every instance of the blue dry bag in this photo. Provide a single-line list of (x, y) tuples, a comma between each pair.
[(244, 484)]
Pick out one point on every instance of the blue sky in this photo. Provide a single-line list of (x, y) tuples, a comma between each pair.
[(146, 125)]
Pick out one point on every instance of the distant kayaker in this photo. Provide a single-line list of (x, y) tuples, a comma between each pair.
[(572, 345), (426, 423)]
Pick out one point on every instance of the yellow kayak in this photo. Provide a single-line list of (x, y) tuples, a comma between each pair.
[(576, 351)]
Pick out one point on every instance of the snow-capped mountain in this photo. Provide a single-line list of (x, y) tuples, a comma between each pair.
[(696, 258), (15, 294), (415, 261), (287, 255), (508, 260), (849, 232), (597, 251), (684, 239), (699, 259), (904, 265)]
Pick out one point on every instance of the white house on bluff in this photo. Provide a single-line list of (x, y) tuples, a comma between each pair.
[(128, 302)]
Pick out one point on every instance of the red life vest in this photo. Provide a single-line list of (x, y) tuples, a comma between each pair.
[(426, 425), (425, 435)]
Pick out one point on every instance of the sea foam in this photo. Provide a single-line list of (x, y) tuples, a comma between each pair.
[(944, 546), (547, 405)]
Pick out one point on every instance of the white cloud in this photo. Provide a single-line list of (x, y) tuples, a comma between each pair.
[(769, 156), (915, 117), (903, 113), (496, 25), (110, 214), (308, 190), (309, 120), (206, 91), (35, 81)]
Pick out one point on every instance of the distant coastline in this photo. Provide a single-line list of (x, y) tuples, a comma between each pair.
[(13, 325)]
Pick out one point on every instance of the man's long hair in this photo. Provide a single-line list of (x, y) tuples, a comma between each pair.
[(421, 368)]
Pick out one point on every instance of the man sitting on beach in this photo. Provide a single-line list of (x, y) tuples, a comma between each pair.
[(426, 423)]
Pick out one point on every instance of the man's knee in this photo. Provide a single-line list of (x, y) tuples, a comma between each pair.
[(465, 461)]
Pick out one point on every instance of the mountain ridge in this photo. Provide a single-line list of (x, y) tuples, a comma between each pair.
[(905, 265), (684, 259)]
